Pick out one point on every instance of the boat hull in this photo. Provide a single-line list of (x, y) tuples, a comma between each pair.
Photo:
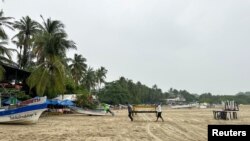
[(28, 117), (24, 114), (182, 106), (88, 111)]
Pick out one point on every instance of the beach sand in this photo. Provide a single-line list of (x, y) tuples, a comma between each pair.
[(179, 125)]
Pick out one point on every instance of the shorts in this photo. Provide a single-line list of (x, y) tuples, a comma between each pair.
[(159, 114)]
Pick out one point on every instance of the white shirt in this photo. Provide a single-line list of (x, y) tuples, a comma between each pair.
[(158, 109)]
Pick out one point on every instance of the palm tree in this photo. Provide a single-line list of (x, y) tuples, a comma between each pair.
[(27, 30), (100, 76), (48, 77), (19, 44), (89, 79), (4, 22), (78, 67), (52, 26), (4, 51), (50, 47), (52, 41)]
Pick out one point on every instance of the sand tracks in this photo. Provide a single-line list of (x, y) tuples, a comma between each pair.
[(146, 118), (168, 130)]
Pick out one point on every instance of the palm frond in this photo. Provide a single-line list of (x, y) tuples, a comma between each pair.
[(2, 71), (3, 35), (48, 78), (4, 22)]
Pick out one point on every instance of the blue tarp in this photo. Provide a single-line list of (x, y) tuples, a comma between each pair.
[(67, 103), (53, 101), (59, 102)]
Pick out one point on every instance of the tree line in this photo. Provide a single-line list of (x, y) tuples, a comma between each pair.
[(125, 90)]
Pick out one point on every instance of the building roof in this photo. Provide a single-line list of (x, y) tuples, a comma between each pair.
[(13, 73)]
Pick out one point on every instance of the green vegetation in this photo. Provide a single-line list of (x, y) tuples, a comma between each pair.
[(4, 23), (78, 67), (42, 50), (243, 98), (4, 51), (85, 100), (27, 29), (20, 95), (124, 90)]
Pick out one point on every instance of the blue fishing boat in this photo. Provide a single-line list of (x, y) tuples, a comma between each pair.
[(25, 112)]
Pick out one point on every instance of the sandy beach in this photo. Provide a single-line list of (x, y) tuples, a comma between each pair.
[(179, 125)]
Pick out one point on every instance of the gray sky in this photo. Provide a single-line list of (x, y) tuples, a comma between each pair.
[(200, 46)]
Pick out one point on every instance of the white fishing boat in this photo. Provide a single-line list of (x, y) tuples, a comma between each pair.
[(25, 112), (183, 106), (96, 112)]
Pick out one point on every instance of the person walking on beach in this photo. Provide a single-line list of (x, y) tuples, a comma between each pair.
[(130, 111), (159, 111)]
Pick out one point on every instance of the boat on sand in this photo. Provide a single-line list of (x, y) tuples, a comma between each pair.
[(25, 112), (95, 112), (183, 106)]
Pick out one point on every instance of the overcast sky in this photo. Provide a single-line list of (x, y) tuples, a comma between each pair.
[(197, 45)]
